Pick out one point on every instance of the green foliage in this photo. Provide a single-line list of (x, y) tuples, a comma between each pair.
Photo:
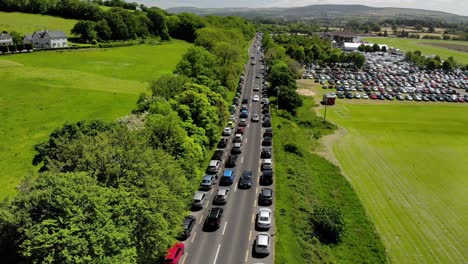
[(184, 25), (197, 61), (288, 99), (328, 224), (85, 30)]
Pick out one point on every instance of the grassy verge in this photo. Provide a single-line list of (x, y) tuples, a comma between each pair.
[(307, 180), (418, 44), (28, 23)]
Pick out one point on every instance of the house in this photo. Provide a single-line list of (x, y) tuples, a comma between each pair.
[(5, 39), (46, 39), (344, 36)]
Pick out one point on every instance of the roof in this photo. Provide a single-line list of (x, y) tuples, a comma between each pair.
[(262, 239), (52, 34), (228, 173), (198, 195), (345, 33), (214, 163), (351, 45), (5, 36)]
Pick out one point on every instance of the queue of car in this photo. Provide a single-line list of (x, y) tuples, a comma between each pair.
[(388, 76), (245, 181)]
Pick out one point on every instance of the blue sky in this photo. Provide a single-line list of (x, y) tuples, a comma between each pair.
[(459, 7)]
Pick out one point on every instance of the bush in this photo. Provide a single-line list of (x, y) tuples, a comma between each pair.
[(3, 48), (12, 48), (416, 36), (28, 46), (328, 224), (430, 37), (446, 37), (94, 42), (292, 148)]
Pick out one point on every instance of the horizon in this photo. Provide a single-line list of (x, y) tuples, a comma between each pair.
[(450, 6)]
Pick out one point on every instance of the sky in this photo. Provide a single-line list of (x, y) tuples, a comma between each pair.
[(459, 7)]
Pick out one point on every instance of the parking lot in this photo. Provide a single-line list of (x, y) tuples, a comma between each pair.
[(387, 76)]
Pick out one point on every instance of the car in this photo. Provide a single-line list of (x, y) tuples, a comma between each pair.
[(400, 97), (408, 98), (243, 122), (218, 155), (231, 161), (222, 195), (255, 118), (237, 138), (213, 167), (246, 180), (237, 148), (256, 88), (258, 76), (266, 153), (228, 177), (268, 132), (244, 113), (266, 196), (264, 216), (230, 124), (357, 96), (245, 100), (232, 117), (252, 63), (365, 96), (262, 243), (188, 224), (266, 123), (214, 217), (207, 182), (267, 164), (174, 254), (267, 177), (255, 98), (227, 131), (266, 141), (240, 130), (223, 143), (199, 199)]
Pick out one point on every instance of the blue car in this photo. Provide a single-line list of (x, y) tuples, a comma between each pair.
[(228, 177)]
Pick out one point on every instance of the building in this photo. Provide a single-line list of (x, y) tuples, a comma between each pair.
[(345, 36), (5, 39), (46, 39), (350, 46)]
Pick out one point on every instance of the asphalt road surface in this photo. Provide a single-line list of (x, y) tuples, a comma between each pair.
[(233, 241)]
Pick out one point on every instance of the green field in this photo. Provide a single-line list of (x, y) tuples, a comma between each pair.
[(40, 91), (408, 164), (305, 181), (416, 44), (28, 23)]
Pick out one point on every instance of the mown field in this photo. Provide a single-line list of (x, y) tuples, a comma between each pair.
[(306, 181), (28, 23), (424, 45), (43, 90), (408, 164)]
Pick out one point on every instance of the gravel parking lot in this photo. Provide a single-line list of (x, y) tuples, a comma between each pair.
[(388, 76)]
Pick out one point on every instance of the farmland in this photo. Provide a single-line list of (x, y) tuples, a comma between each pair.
[(408, 163), (28, 23), (426, 46), (43, 90)]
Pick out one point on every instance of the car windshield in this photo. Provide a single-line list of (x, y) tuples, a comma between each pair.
[(263, 218)]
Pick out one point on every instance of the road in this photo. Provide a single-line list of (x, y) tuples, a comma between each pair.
[(233, 242)]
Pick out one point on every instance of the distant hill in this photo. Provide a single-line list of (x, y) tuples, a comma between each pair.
[(321, 12)]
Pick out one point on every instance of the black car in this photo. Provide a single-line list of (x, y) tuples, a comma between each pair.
[(380, 97), (245, 100), (214, 217), (267, 177), (266, 123), (265, 197), (266, 153), (217, 155), (189, 223), (268, 132), (231, 161), (222, 143), (246, 180), (266, 141)]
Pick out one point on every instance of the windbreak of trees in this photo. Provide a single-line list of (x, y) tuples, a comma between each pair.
[(432, 63), (118, 192)]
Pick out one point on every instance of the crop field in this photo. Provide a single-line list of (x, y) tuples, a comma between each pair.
[(41, 91), (408, 164), (28, 23), (427, 47)]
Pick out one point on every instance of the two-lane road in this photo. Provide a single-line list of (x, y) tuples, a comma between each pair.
[(232, 242)]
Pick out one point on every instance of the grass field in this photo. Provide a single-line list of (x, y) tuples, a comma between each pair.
[(306, 181), (426, 49), (41, 91), (28, 23), (408, 164)]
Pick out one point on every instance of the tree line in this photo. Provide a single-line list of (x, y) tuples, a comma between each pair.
[(117, 192), (433, 63)]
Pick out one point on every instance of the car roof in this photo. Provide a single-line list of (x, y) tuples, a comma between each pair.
[(267, 160), (214, 162), (215, 211), (173, 250), (208, 177), (247, 173), (267, 192), (199, 195), (222, 190), (263, 239), (228, 172)]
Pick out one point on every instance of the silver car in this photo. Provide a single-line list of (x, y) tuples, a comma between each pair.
[(222, 195), (263, 243), (199, 199)]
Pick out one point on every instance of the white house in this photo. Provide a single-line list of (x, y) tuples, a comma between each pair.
[(350, 46), (46, 39), (5, 39)]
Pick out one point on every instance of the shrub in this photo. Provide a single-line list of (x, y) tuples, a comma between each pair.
[(28, 46), (3, 48), (446, 37), (292, 148), (430, 37), (416, 36), (328, 224)]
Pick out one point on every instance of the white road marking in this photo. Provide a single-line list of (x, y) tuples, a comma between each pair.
[(246, 255), (217, 252), (183, 261), (201, 218), (254, 203), (256, 189), (211, 191), (250, 235), (193, 237), (242, 159), (224, 229), (246, 140), (235, 188), (253, 217)]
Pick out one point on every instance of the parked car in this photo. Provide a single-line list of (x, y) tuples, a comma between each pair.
[(174, 254), (266, 196), (262, 243), (268, 132), (227, 131), (267, 164), (188, 224), (214, 217), (237, 138), (228, 177), (222, 195), (267, 177), (199, 200), (246, 180), (207, 182), (231, 161), (223, 142), (217, 155), (264, 216), (266, 153), (213, 167), (237, 148), (266, 141), (240, 130)]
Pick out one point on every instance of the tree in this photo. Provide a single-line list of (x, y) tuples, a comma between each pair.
[(103, 30), (184, 25), (158, 24), (280, 74), (197, 61), (16, 37), (395, 29), (384, 49), (385, 33), (376, 47), (85, 30), (288, 99), (431, 29)]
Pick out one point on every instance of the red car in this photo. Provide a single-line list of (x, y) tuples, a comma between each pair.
[(174, 253), (373, 96), (240, 130)]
